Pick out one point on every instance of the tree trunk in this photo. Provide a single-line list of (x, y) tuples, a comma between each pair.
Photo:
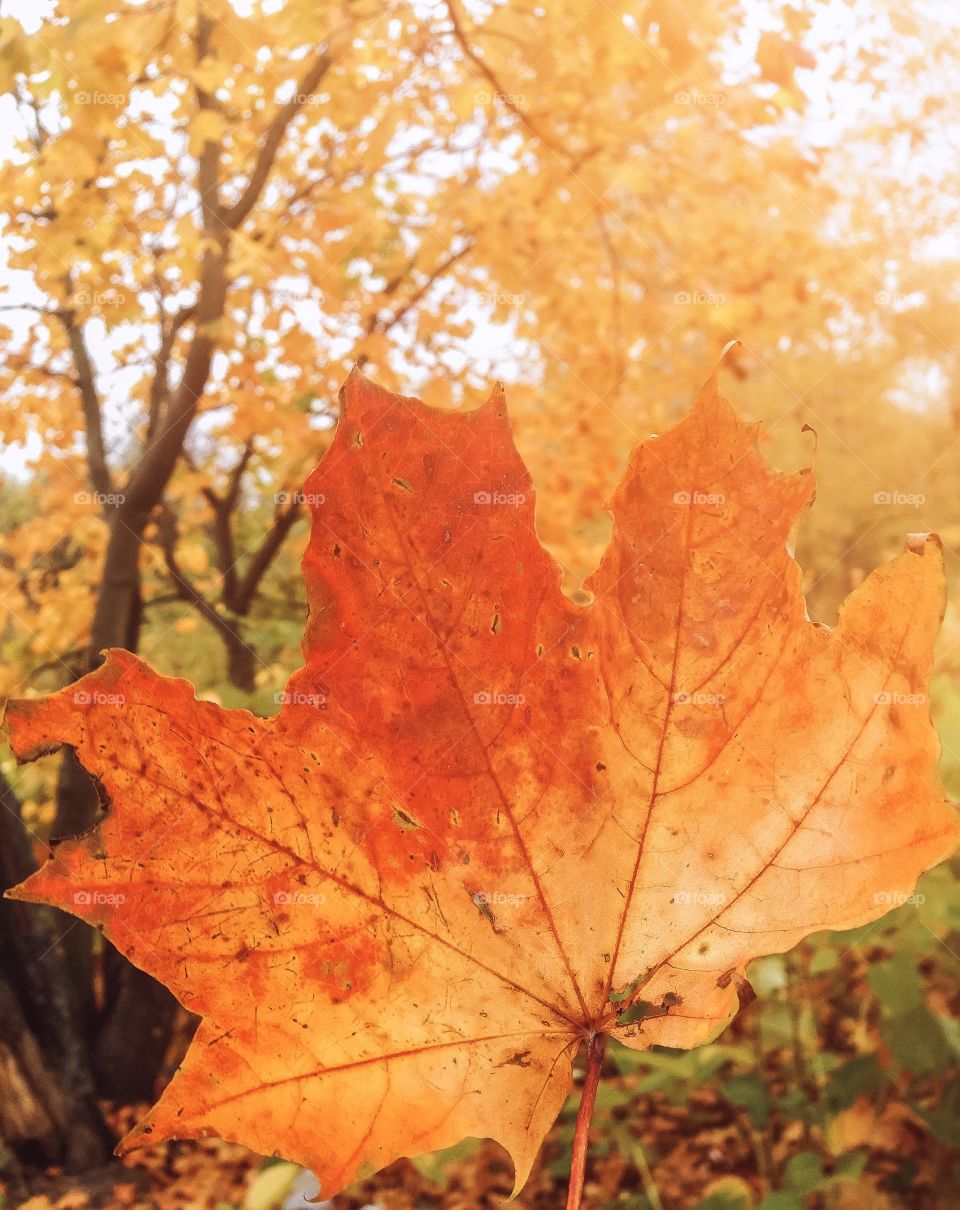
[(76, 807), (116, 624), (32, 1114), (128, 1039), (40, 1000), (119, 609), (241, 663), (139, 1013), (132, 1033), (38, 1114)]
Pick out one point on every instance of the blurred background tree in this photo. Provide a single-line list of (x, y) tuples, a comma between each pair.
[(211, 210)]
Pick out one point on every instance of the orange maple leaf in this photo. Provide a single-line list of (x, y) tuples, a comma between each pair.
[(489, 825)]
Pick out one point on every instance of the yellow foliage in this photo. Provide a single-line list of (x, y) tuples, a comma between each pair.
[(592, 206)]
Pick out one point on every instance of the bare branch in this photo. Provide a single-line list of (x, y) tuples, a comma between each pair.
[(39, 134), (264, 555), (379, 323), (616, 305), (31, 367), (234, 216), (160, 383), (236, 477), (167, 533), (505, 97), (222, 529), (99, 469), (239, 591), (152, 471), (208, 164)]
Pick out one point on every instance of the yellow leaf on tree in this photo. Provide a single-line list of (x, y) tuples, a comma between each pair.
[(207, 127), (192, 557)]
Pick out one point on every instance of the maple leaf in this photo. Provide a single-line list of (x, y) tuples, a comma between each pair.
[(489, 825)]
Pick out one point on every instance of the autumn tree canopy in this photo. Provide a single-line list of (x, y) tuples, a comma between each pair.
[(218, 213)]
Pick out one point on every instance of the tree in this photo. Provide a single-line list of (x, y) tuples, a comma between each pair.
[(164, 245), (212, 215)]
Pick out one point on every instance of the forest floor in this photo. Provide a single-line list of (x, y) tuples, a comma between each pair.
[(703, 1154)]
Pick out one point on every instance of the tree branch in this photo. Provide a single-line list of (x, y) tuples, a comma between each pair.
[(99, 469), (616, 306), (152, 472), (376, 323), (167, 533), (234, 216), (264, 555), (160, 383), (222, 529), (500, 92)]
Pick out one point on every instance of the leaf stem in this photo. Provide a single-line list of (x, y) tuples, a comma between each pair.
[(578, 1162)]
